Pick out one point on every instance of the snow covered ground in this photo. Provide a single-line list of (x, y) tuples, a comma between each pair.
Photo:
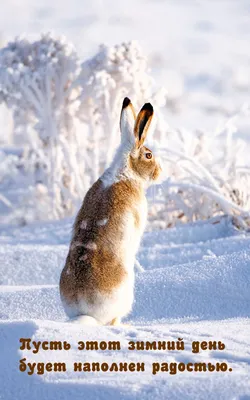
[(196, 283), (195, 287)]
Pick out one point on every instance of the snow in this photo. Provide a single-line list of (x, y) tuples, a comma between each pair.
[(192, 281), (195, 286), (83, 224), (199, 48), (83, 127), (102, 222)]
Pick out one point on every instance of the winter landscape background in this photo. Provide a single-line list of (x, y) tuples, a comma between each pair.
[(59, 118)]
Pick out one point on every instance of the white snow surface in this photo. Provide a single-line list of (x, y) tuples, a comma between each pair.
[(197, 277), (195, 286)]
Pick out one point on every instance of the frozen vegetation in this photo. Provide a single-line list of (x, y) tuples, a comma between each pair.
[(60, 100)]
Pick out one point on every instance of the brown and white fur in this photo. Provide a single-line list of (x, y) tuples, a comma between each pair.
[(98, 278)]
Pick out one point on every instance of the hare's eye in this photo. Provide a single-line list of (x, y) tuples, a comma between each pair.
[(148, 156)]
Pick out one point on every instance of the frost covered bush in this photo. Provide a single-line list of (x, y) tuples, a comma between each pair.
[(36, 84), (113, 73), (67, 114), (206, 175)]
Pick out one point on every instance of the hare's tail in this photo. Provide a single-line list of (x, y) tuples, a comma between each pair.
[(85, 320)]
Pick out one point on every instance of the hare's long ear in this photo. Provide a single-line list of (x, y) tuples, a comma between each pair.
[(142, 124), (127, 122)]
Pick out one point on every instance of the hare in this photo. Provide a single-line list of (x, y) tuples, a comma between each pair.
[(97, 282)]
